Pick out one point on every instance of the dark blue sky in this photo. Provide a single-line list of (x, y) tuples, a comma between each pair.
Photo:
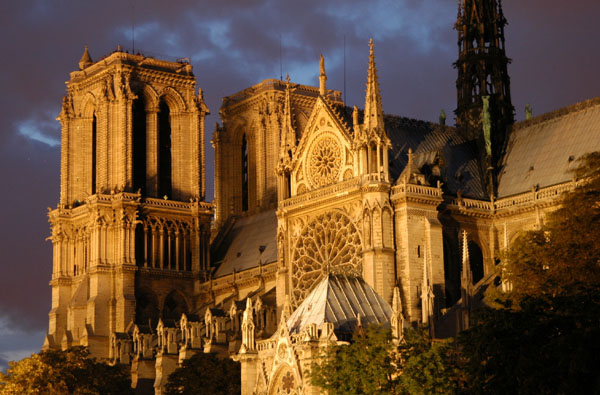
[(234, 44)]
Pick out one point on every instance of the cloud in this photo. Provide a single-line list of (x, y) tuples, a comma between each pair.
[(41, 130)]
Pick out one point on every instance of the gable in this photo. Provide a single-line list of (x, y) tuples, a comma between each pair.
[(324, 154)]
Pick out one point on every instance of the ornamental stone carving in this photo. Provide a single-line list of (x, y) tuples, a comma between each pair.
[(328, 244), (324, 162)]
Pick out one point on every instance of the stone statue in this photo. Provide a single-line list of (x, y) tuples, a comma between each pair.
[(322, 65), (443, 118), (528, 112)]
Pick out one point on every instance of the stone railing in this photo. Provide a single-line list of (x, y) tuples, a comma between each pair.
[(414, 189), (515, 201), (263, 345), (321, 192), (234, 277)]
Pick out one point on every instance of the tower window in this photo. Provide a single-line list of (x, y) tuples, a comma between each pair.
[(244, 174), (139, 144), (164, 149), (94, 154)]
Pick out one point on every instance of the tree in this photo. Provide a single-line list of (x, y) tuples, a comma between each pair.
[(64, 372), (205, 374), (542, 336), (373, 364)]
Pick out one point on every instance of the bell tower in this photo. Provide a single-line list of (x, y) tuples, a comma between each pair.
[(483, 79), (130, 233)]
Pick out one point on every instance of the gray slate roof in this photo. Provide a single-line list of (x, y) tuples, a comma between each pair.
[(339, 299), (542, 151), (248, 236)]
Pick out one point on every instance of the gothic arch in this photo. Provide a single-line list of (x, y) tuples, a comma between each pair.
[(146, 307), (88, 106), (174, 100), (151, 98), (174, 305), (284, 382)]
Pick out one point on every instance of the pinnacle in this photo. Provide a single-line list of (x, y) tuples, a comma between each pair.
[(86, 59)]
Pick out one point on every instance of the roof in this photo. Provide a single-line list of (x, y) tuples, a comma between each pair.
[(543, 151), (251, 240), (339, 299)]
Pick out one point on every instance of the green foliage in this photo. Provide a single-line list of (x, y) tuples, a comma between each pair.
[(428, 367), (64, 372), (543, 335), (372, 364), (366, 366), (205, 374)]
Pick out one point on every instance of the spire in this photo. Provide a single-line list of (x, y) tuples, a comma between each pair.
[(322, 77), (86, 59), (288, 135), (397, 317), (466, 276), (466, 281), (373, 109), (427, 293), (248, 343)]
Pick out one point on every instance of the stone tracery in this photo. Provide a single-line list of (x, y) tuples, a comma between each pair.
[(329, 244), (325, 161)]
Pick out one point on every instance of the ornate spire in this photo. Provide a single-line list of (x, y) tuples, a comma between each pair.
[(397, 317), (373, 109), (322, 77), (427, 293), (466, 276), (86, 59), (288, 135), (248, 343)]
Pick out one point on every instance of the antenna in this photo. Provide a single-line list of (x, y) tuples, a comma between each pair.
[(133, 27), (344, 70), (280, 58)]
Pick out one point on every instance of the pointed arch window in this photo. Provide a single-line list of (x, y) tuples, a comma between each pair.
[(94, 153), (139, 144), (164, 149), (244, 154)]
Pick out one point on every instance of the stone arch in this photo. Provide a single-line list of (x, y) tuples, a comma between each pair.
[(174, 100), (174, 305), (147, 311), (284, 381), (151, 98), (88, 106)]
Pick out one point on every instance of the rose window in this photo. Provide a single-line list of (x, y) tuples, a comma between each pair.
[(325, 162), (329, 244)]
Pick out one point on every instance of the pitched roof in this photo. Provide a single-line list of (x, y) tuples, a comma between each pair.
[(542, 151), (251, 240), (339, 299)]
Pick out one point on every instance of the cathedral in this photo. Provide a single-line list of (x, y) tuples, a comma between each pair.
[(324, 217)]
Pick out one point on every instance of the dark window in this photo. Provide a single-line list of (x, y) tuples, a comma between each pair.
[(244, 174), (476, 259), (164, 150), (139, 144), (139, 245), (94, 153)]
